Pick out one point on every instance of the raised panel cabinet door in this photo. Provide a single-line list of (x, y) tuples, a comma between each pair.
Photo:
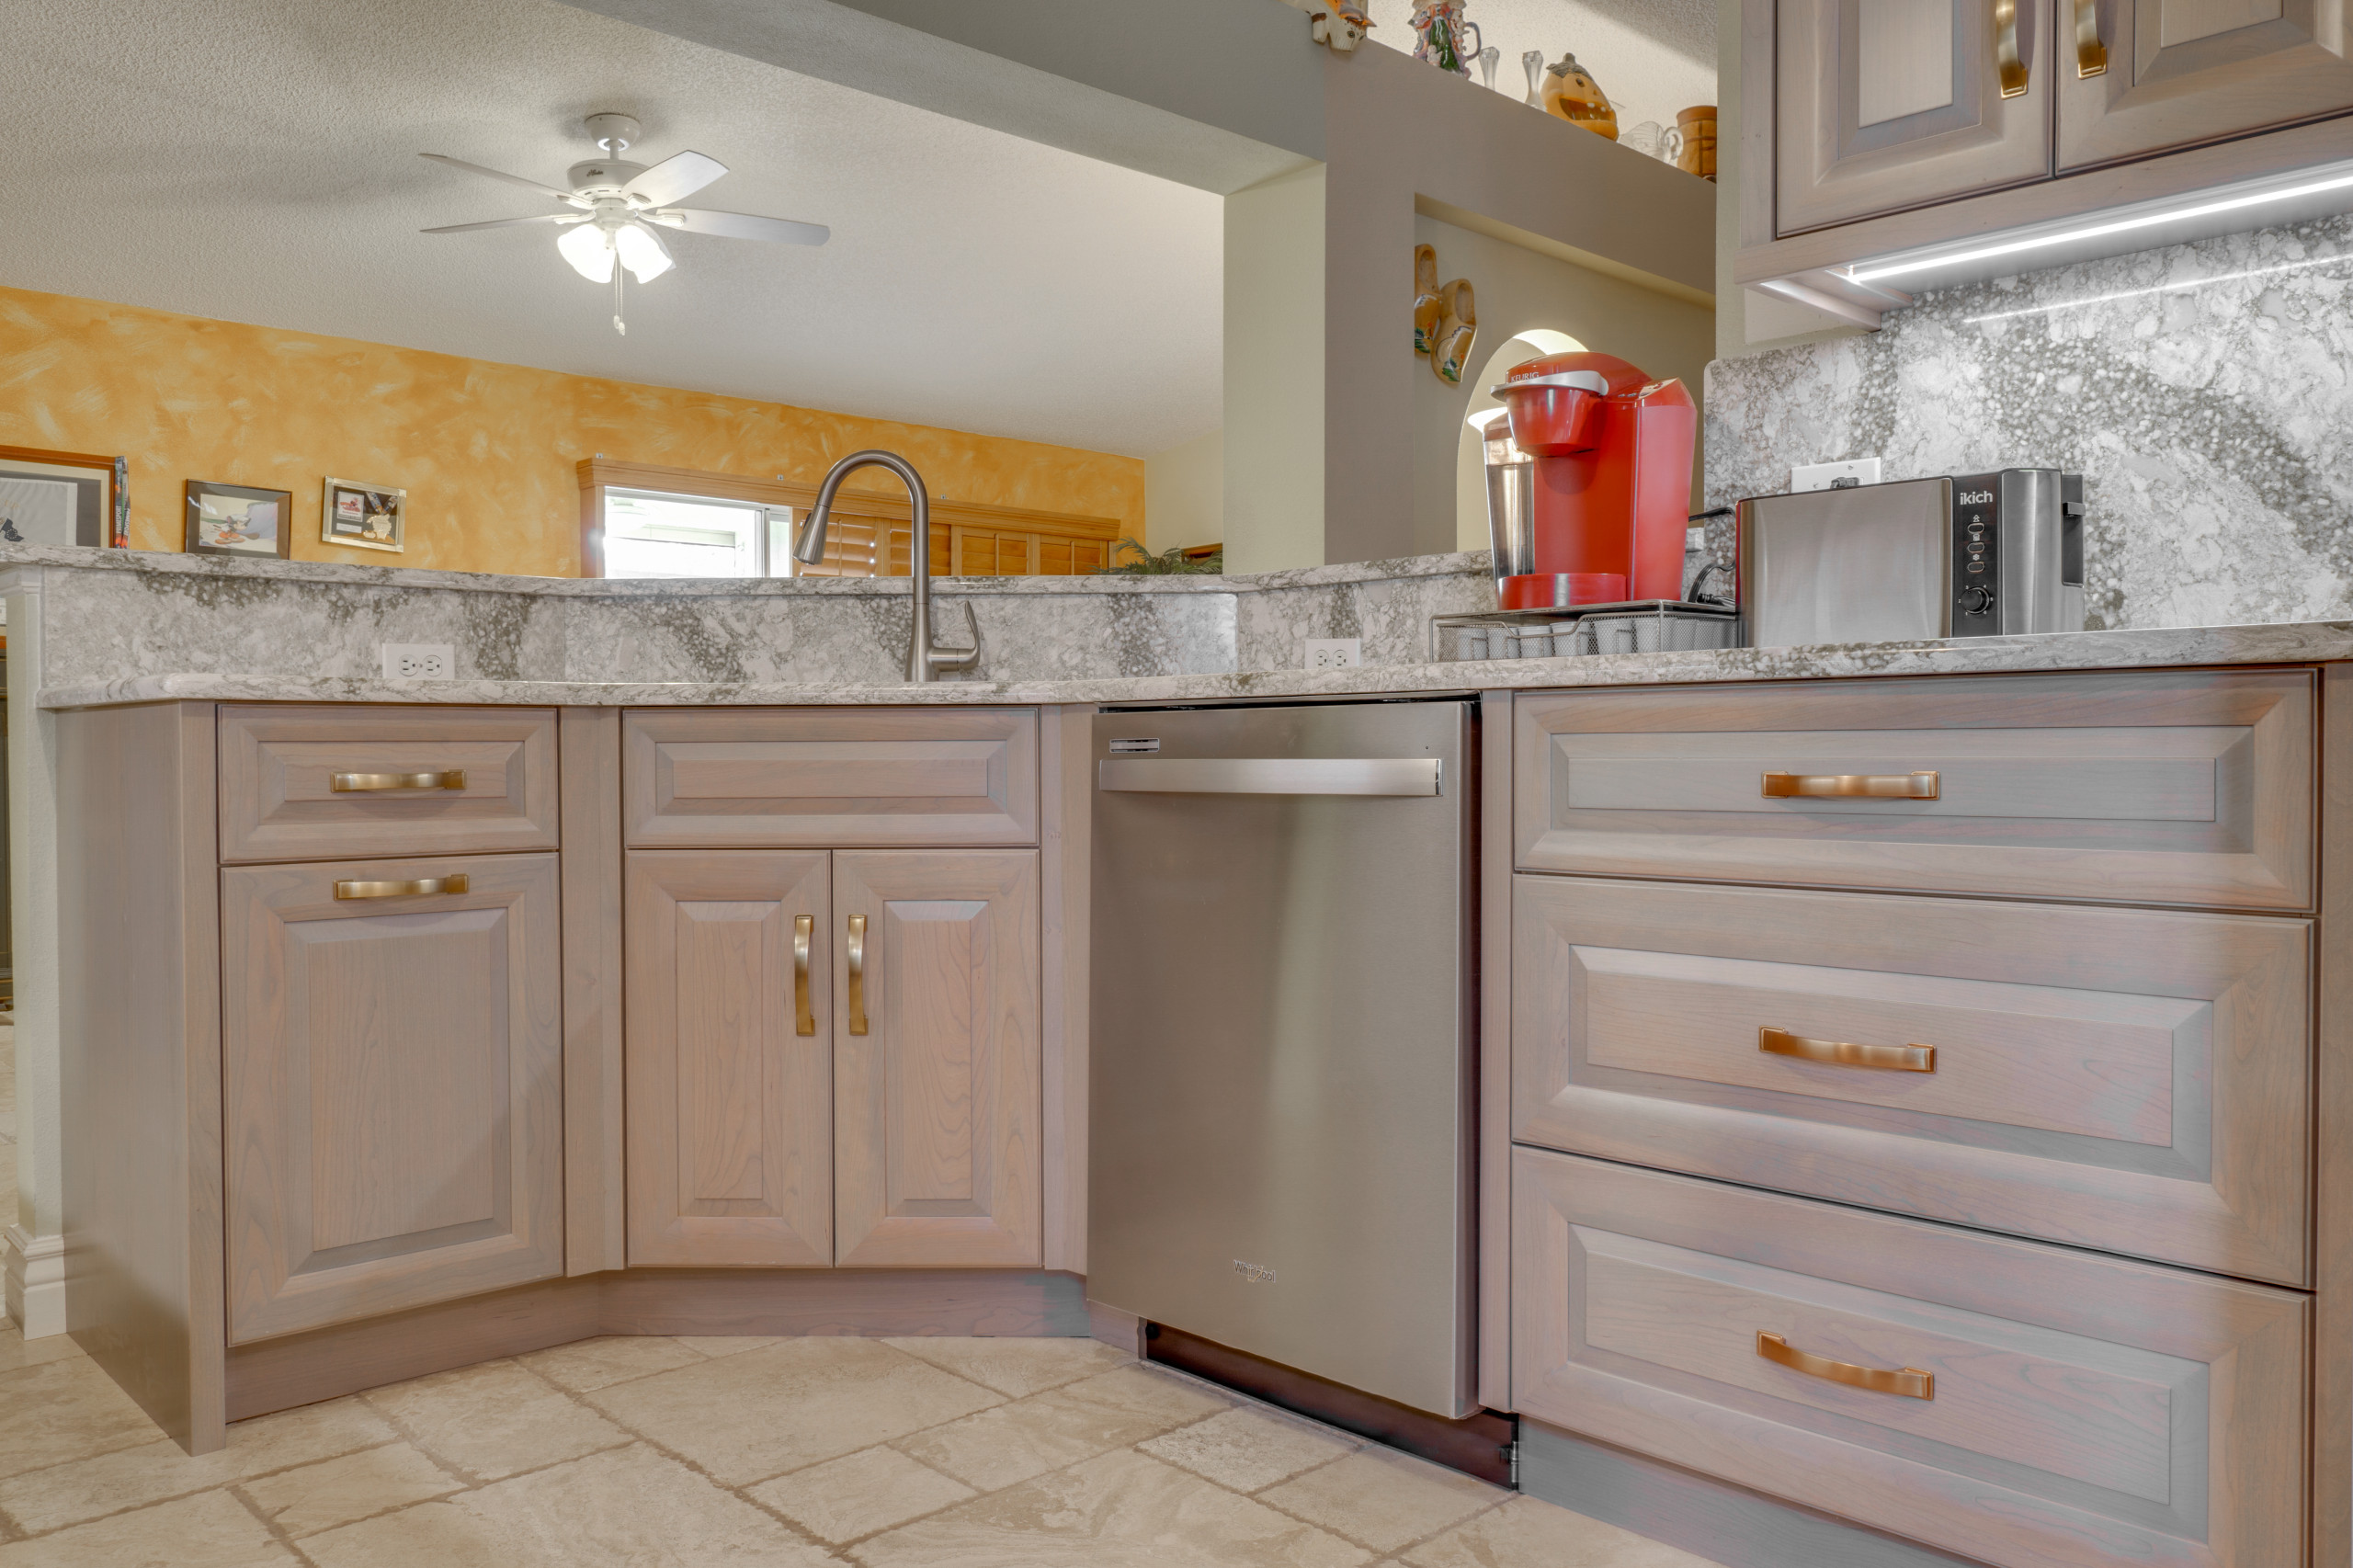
[(1882, 105), (2022, 1406), (938, 1071), (821, 777), (2169, 73), (728, 1058), (392, 1057), (2137, 1081), (2133, 787)]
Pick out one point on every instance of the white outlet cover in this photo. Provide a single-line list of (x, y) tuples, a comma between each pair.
[(419, 661), (1334, 652), (1825, 476)]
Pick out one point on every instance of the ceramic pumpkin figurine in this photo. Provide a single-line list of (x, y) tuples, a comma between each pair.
[(1427, 306), (1573, 94), (1458, 326)]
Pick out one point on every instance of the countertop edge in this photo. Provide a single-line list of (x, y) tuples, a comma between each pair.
[(2176, 647)]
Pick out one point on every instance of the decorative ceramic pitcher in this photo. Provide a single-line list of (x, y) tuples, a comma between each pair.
[(1439, 30)]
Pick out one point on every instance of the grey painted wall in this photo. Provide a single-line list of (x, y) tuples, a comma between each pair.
[(2204, 391)]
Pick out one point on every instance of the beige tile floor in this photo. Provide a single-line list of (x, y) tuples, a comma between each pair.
[(678, 1453)]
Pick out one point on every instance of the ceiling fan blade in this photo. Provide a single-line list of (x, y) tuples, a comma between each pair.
[(509, 222), (675, 178), (563, 196), (741, 226)]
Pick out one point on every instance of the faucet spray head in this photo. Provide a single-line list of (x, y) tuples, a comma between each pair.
[(809, 539)]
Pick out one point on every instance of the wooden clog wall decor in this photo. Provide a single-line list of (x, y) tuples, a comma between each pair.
[(1427, 306), (1457, 327)]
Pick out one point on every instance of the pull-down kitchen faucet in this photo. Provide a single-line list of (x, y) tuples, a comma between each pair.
[(809, 545)]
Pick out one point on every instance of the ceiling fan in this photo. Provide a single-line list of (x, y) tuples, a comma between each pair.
[(613, 205)]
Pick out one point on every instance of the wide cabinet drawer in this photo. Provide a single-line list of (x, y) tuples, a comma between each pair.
[(2137, 1081), (760, 778), (2022, 1406), (325, 782), (2168, 786)]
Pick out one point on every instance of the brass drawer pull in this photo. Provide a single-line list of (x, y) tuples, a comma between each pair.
[(2091, 55), (804, 930), (2006, 48), (366, 783), (453, 883), (856, 974), (1849, 786), (1909, 1382), (1845, 1053)]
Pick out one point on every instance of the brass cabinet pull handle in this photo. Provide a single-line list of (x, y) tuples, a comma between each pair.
[(857, 946), (2005, 48), (1909, 1382), (1843, 1053), (453, 883), (2091, 55), (362, 783), (1838, 786), (804, 928)]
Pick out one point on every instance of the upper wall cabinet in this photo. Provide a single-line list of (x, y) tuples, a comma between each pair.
[(1916, 135), (1879, 104), (2168, 74)]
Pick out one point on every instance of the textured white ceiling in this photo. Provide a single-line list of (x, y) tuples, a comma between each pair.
[(255, 161), (1652, 57)]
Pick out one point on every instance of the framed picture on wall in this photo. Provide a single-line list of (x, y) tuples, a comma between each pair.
[(364, 516), (235, 520), (63, 498)]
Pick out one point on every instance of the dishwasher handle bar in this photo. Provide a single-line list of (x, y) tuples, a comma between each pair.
[(1422, 775)]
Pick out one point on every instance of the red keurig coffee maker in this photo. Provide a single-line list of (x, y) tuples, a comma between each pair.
[(1612, 484)]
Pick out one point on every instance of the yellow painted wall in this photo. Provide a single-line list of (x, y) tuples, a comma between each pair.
[(486, 452)]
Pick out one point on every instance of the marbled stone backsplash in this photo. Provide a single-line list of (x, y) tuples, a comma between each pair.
[(111, 615), (2204, 391)]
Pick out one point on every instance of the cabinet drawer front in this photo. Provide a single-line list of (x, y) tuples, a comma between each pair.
[(399, 768), (2082, 1409), (819, 778), (2189, 787), (392, 1087), (2137, 1081)]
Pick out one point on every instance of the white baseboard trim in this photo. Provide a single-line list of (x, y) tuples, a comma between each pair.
[(36, 1281)]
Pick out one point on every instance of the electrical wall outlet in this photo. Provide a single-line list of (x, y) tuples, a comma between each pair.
[(1334, 652), (419, 661), (1834, 476)]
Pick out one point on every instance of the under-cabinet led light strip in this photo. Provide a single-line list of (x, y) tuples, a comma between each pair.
[(1867, 273), (2161, 289)]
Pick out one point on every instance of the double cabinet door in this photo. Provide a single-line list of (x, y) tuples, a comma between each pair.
[(833, 1058), (1886, 105)]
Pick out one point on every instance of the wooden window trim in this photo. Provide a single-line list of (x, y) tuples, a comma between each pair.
[(882, 508)]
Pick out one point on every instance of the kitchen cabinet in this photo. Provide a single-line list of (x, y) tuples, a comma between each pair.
[(937, 1064), (729, 1059), (834, 1058), (1878, 129), (392, 1084), (2174, 72), (1886, 103)]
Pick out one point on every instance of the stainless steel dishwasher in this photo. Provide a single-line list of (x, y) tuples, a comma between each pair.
[(1281, 1035)]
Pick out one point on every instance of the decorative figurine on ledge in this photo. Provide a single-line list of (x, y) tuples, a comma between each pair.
[(1339, 25), (1437, 29), (1572, 94)]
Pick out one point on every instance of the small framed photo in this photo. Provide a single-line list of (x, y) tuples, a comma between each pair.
[(235, 519), (75, 498), (365, 517)]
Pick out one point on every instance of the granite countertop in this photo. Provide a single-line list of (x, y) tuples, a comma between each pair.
[(2287, 642)]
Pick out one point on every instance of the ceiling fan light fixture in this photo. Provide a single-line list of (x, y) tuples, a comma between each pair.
[(589, 250), (643, 252)]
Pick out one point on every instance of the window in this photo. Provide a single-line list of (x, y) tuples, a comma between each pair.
[(649, 534)]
